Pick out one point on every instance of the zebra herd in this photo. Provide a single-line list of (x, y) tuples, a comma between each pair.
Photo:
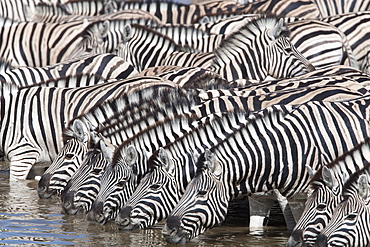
[(141, 112)]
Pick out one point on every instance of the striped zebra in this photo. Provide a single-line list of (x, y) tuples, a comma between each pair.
[(273, 142), (238, 62), (57, 42), (267, 36), (154, 198), (354, 26), (171, 12), (33, 118), (304, 35), (129, 164), (108, 66), (17, 10), (327, 185), (113, 122), (349, 224)]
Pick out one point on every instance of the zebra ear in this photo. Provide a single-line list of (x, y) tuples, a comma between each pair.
[(107, 151), (212, 163), (104, 29), (164, 159), (80, 130), (311, 172), (131, 155), (127, 32), (109, 7), (276, 31), (204, 20), (327, 177), (363, 186)]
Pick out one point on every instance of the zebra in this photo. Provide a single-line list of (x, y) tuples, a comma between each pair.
[(107, 65), (225, 59), (33, 118), (354, 26), (313, 133), (57, 42), (327, 186), (171, 12), (113, 121), (348, 226), (267, 35), (301, 36), (129, 164), (148, 206)]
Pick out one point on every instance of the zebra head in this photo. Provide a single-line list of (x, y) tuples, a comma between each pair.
[(117, 183), (319, 207), (154, 197), (351, 218), (259, 49), (67, 162), (82, 189), (203, 205)]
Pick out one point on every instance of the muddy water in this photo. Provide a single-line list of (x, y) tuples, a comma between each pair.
[(27, 220)]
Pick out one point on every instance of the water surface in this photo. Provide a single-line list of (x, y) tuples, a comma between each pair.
[(29, 221)]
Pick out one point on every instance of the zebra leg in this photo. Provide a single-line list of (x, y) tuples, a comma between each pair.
[(297, 205), (259, 209), (22, 158), (285, 208)]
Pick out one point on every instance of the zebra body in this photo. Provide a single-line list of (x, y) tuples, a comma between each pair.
[(108, 66), (148, 206), (33, 134), (354, 26), (327, 185), (313, 133), (58, 42), (348, 225)]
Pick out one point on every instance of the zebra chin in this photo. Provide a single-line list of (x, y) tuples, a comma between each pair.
[(173, 232), (43, 188), (295, 240)]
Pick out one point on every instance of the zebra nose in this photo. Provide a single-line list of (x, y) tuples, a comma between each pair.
[(95, 212), (173, 224), (124, 217), (67, 200), (295, 238), (321, 241), (43, 186), (310, 67)]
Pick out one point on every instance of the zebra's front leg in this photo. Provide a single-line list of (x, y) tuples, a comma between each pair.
[(286, 210), (259, 209), (21, 160)]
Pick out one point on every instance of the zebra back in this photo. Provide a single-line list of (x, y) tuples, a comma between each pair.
[(107, 66)]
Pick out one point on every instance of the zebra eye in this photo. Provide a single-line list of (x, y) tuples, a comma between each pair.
[(351, 217), (155, 186), (121, 184), (69, 156), (288, 50), (202, 193), (321, 207), (96, 171)]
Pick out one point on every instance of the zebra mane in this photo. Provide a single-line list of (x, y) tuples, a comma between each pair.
[(8, 88), (166, 123), (209, 81), (169, 104), (118, 106), (318, 175), (245, 34), (348, 186)]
